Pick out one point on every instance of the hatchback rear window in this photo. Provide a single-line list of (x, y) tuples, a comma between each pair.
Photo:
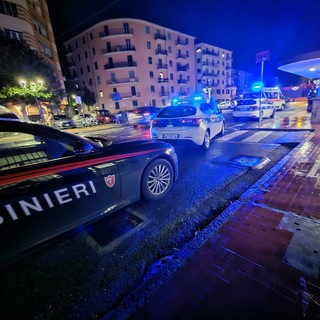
[(177, 111), (246, 102)]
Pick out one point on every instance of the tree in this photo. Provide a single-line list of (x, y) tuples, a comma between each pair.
[(88, 97), (18, 61)]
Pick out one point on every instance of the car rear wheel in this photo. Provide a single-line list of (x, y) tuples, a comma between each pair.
[(273, 113), (157, 179), (221, 133), (206, 141)]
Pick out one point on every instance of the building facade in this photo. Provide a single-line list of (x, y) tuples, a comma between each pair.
[(214, 71), (129, 63), (29, 20)]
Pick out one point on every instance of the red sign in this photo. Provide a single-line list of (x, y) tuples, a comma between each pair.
[(262, 56)]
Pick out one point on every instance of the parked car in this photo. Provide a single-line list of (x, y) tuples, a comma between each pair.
[(6, 113), (196, 123), (61, 121), (143, 115), (85, 120), (249, 108), (52, 181), (225, 105), (104, 116)]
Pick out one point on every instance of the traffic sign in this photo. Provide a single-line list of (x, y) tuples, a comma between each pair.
[(116, 96), (262, 56)]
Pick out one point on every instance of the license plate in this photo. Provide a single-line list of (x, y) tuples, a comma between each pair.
[(170, 136)]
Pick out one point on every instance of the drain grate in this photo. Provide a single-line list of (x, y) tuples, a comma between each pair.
[(113, 226), (250, 161)]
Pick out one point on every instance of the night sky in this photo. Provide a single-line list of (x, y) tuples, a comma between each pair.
[(285, 27)]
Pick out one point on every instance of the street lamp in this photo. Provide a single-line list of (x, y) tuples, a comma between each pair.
[(35, 87)]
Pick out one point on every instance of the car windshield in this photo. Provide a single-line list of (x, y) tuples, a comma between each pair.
[(177, 111), (60, 117)]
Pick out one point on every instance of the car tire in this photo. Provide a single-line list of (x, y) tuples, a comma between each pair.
[(157, 179), (283, 107), (206, 141)]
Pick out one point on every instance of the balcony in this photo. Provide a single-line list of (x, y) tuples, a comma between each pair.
[(162, 66), (163, 80), (182, 81), (116, 65), (159, 36), (68, 52), (71, 65), (181, 42), (210, 52), (183, 93), (127, 95), (115, 32), (181, 56), (164, 94), (181, 67), (163, 52), (117, 49), (122, 81)]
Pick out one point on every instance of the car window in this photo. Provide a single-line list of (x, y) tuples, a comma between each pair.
[(19, 149), (246, 102), (177, 111)]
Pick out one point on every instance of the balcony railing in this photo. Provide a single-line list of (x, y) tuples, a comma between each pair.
[(210, 52), (114, 32), (181, 42), (71, 65), (183, 93), (127, 95), (118, 49), (162, 80), (164, 94), (181, 56), (182, 81), (160, 51), (181, 67), (162, 66), (159, 36), (115, 65), (123, 80)]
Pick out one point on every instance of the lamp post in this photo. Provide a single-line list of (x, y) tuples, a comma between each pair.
[(34, 87)]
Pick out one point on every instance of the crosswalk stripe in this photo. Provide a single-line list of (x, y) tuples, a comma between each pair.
[(257, 136), (232, 135)]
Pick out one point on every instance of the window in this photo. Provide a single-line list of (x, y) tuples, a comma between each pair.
[(86, 54), (91, 36), (94, 51), (163, 101), (96, 65), (171, 76), (169, 49), (40, 28), (172, 89), (147, 29), (170, 63), (150, 60), (77, 45), (101, 94), (152, 89), (88, 68), (148, 45), (83, 40), (81, 71), (102, 105), (79, 57), (117, 105), (44, 49), (169, 36), (98, 80), (14, 34), (134, 103), (19, 149), (8, 8), (151, 75)]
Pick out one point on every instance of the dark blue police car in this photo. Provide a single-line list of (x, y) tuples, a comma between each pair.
[(52, 181)]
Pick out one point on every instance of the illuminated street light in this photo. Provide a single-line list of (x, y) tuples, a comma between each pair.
[(35, 87)]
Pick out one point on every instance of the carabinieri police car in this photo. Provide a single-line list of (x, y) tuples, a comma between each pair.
[(53, 181)]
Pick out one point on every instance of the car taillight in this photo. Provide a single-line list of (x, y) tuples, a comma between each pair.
[(146, 114), (190, 121)]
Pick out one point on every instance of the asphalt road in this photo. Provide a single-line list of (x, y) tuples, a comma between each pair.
[(88, 273)]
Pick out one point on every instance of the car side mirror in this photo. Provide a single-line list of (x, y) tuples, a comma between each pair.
[(82, 147)]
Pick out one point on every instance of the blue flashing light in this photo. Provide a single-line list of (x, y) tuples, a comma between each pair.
[(257, 86)]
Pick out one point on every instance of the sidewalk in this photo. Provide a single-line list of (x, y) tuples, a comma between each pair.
[(263, 261)]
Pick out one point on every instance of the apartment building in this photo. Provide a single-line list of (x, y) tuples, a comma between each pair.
[(128, 63), (214, 71), (29, 20)]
